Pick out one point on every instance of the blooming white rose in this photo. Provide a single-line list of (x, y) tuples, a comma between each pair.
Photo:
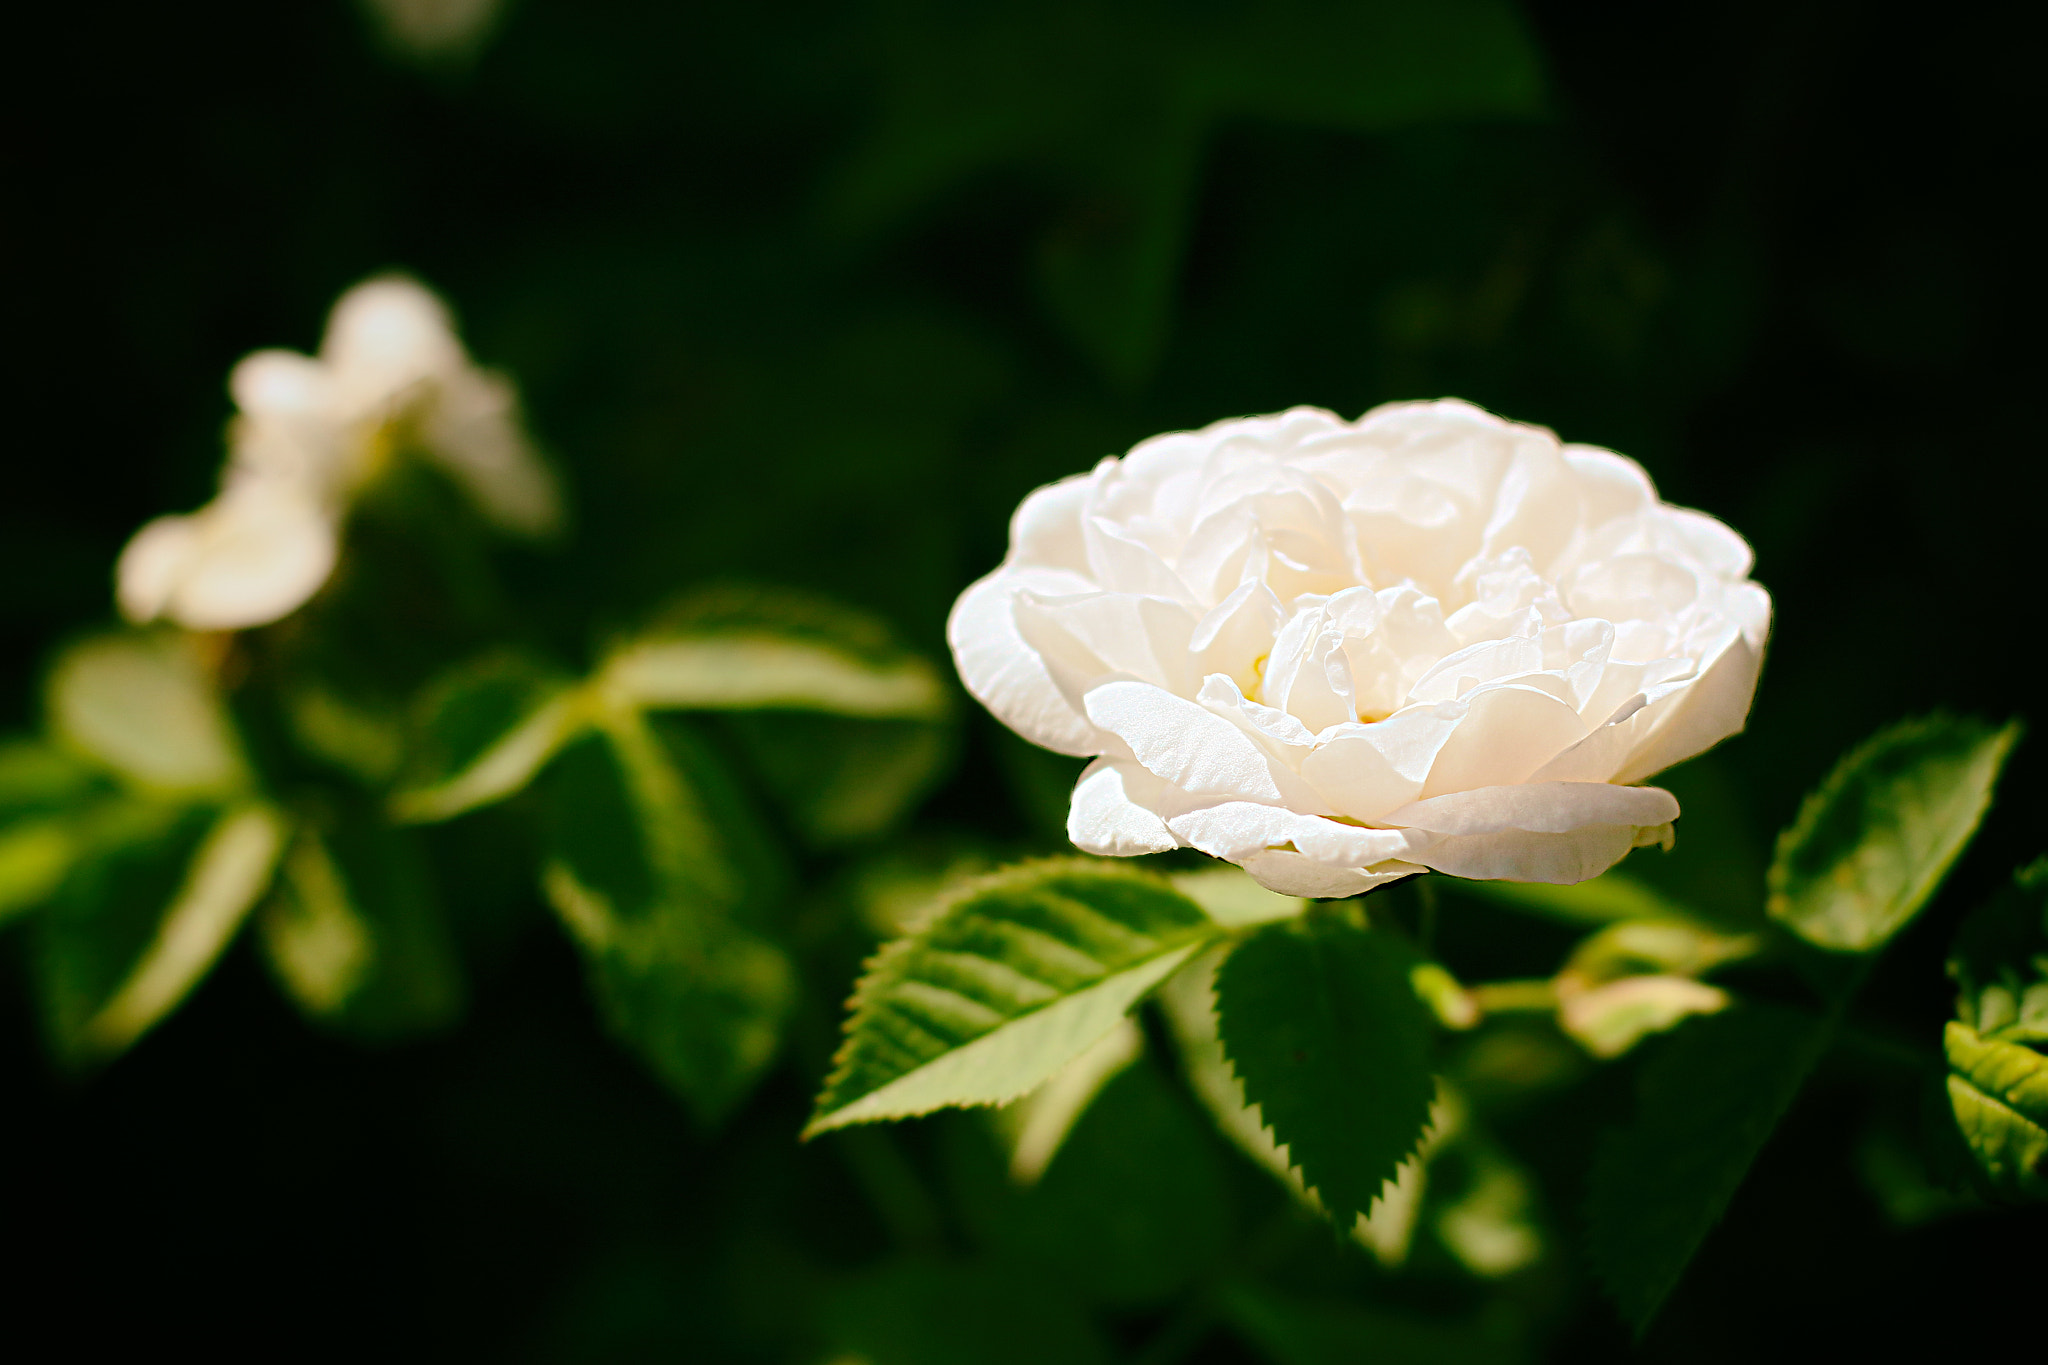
[(309, 433), (1337, 653)]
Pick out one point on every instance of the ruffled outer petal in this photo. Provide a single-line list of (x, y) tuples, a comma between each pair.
[(1008, 676)]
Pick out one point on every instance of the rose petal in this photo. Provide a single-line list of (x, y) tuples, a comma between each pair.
[(1104, 819), (1008, 676)]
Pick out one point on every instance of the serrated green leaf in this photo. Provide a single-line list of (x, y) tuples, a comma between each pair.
[(1999, 961), (161, 896), (1873, 842), (1289, 1330), (1321, 1025), (1013, 977), (1999, 1092), (641, 871), (1705, 1106), (483, 732), (144, 704)]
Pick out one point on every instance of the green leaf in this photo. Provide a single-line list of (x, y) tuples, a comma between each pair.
[(1999, 1092), (641, 872), (2000, 961), (1873, 842), (145, 705), (1706, 1103), (1134, 1208), (1289, 1330), (1035, 1127), (361, 740), (1013, 977), (40, 779), (355, 934), (843, 780), (1607, 898), (1321, 1025), (483, 732), (929, 1313), (153, 906), (765, 671)]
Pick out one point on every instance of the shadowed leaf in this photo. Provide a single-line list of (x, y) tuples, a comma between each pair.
[(1321, 1025), (1705, 1106)]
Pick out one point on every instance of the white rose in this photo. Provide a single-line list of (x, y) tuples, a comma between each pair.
[(309, 432), (1337, 653)]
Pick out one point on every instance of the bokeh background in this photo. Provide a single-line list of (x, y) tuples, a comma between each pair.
[(813, 294)]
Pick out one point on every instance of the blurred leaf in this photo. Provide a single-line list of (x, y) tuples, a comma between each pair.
[(362, 741), (1113, 105), (144, 704), (1677, 947), (483, 732), (38, 778), (843, 780), (639, 871), (1321, 1025), (1132, 1210), (1999, 961), (1034, 1127), (35, 855), (1706, 1104), (1295, 1331), (151, 911), (1609, 1019), (1873, 842), (1999, 1092), (928, 1313), (46, 800), (355, 933), (1014, 976), (1229, 896), (1486, 1221), (1606, 898), (769, 672)]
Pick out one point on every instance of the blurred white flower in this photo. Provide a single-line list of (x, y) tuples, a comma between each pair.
[(436, 28), (312, 431), (1337, 653)]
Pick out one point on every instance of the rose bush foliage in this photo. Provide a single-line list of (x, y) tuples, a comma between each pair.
[(1338, 653)]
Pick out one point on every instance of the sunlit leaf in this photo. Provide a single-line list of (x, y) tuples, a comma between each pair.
[(933, 1313), (1875, 839), (144, 704), (1289, 1330), (1609, 1019), (764, 672), (484, 732), (1487, 1219), (1999, 1092), (1999, 961), (1034, 1127), (1013, 977), (355, 933), (640, 868), (1705, 1106), (159, 899), (1321, 1025)]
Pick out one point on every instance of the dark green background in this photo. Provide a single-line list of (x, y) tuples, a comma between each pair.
[(1777, 252)]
